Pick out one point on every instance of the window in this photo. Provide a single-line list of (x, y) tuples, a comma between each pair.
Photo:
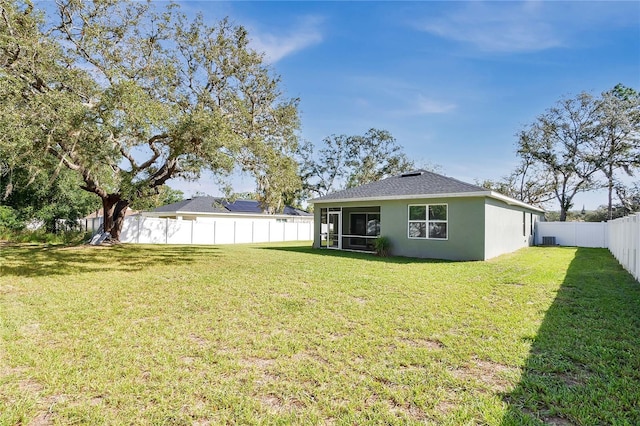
[(428, 221), (365, 224)]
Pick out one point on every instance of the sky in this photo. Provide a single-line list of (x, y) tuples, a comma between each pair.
[(453, 82)]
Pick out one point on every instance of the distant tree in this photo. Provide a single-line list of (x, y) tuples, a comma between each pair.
[(128, 97), (560, 142), (326, 171), (347, 161), (618, 136), (629, 196), (527, 183), (374, 156)]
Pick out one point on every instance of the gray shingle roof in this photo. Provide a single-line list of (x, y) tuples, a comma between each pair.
[(219, 205), (419, 182)]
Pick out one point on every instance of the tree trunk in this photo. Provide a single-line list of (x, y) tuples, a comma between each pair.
[(563, 214), (610, 208), (609, 175), (114, 209)]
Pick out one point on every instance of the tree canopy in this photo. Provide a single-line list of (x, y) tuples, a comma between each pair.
[(348, 161), (128, 97)]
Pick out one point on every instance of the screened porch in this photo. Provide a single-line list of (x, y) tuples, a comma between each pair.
[(349, 228)]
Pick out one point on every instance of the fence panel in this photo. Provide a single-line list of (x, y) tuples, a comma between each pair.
[(149, 230), (624, 243), (204, 232), (179, 231), (579, 234)]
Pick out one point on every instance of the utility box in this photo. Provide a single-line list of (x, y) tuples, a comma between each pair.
[(548, 241)]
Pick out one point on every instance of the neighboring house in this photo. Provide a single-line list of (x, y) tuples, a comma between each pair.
[(206, 209), (425, 215)]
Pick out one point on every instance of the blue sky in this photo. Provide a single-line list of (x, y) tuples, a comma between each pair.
[(452, 81)]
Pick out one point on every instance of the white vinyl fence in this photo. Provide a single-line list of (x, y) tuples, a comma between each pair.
[(149, 230), (578, 234), (624, 243)]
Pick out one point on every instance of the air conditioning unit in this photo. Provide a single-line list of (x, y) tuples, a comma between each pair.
[(548, 241)]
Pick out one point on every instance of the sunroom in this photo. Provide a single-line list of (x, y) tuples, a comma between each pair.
[(349, 228)]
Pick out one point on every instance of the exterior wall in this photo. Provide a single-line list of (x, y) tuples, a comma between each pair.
[(465, 225), (464, 228), (508, 228)]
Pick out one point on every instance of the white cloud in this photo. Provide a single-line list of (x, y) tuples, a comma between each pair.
[(426, 105), (276, 46), (498, 27)]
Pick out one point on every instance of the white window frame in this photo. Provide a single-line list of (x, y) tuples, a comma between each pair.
[(427, 221)]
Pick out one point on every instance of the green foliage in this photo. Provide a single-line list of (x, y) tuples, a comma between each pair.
[(166, 195), (9, 221), (619, 137), (382, 246), (528, 183), (567, 146), (43, 197), (560, 141), (41, 236), (128, 97), (347, 161)]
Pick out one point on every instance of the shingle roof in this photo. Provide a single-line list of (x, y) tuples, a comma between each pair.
[(419, 182), (219, 205)]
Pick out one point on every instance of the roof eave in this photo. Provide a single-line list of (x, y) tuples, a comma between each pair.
[(190, 213), (490, 194), (403, 197)]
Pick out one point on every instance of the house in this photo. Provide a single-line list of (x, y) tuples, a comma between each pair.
[(207, 209), (425, 215)]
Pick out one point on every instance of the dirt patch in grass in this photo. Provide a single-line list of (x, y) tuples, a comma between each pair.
[(557, 421), (42, 419), (548, 420), (30, 386), (276, 404), (432, 344), (259, 363), (200, 341), (360, 300), (410, 411), (7, 289), (572, 380), (493, 375)]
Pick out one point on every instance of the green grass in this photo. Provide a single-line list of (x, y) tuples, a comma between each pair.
[(286, 334)]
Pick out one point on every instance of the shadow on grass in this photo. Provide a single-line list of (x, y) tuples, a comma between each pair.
[(356, 255), (23, 260), (584, 364)]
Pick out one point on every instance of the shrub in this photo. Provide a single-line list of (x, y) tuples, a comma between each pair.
[(9, 220), (383, 246)]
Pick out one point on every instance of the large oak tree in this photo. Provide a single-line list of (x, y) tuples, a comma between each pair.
[(129, 97)]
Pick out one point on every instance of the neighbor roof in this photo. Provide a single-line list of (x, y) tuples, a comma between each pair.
[(219, 205), (415, 184)]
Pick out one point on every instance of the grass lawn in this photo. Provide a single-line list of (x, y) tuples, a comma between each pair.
[(285, 334)]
